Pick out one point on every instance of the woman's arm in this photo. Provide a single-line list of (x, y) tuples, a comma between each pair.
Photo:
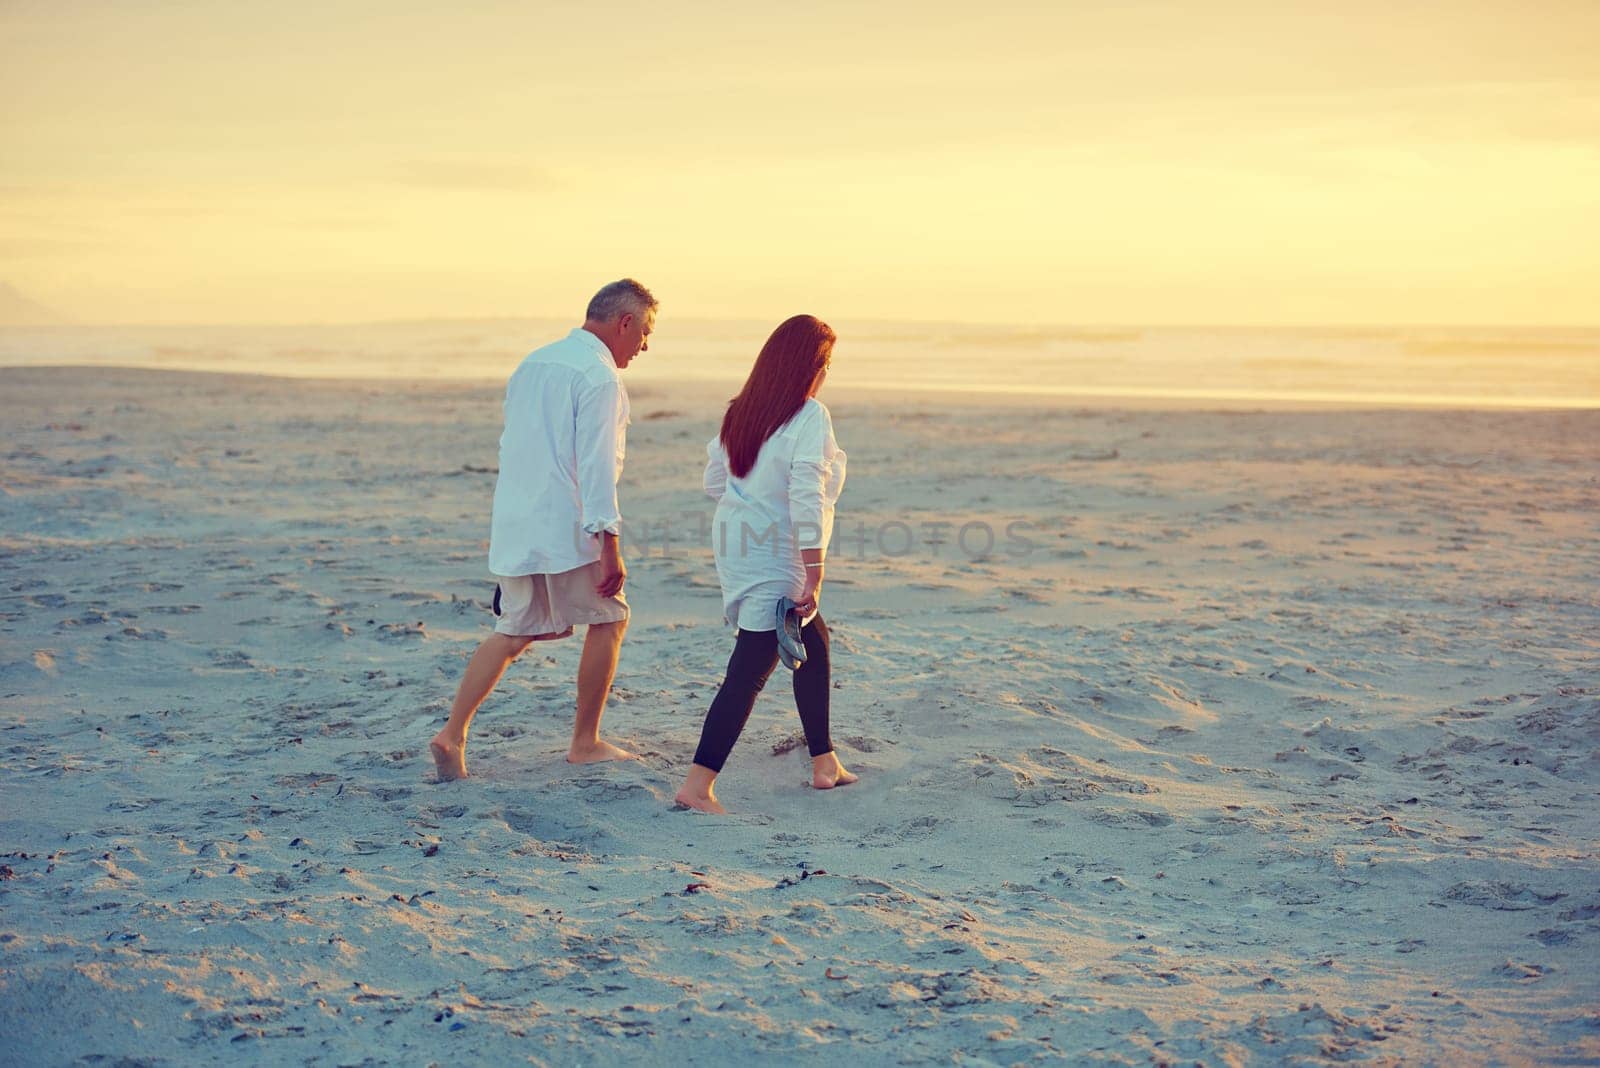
[(813, 490), (716, 476), (808, 597), (810, 471)]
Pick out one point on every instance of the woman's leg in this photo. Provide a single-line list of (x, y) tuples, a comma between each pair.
[(755, 654), (813, 682)]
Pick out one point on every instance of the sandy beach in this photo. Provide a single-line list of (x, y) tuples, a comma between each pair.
[(1186, 736)]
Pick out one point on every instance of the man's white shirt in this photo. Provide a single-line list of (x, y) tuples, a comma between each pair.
[(561, 452)]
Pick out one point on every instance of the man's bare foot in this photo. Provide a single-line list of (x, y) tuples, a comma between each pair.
[(827, 772), (449, 758), (597, 753)]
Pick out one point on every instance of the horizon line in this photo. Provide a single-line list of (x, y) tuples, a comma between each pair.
[(863, 320), (1184, 397)]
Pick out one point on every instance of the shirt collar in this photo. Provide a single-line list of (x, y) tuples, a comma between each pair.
[(599, 347)]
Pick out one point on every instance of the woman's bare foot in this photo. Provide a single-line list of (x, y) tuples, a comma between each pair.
[(827, 772), (449, 756), (597, 752), (697, 793), (700, 803)]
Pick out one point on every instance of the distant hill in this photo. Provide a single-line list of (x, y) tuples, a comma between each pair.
[(18, 310)]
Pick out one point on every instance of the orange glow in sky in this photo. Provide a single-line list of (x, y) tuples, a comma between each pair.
[(1243, 162)]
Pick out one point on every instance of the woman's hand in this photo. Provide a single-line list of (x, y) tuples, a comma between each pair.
[(806, 603)]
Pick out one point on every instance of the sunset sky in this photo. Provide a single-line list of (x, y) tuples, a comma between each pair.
[(1073, 162)]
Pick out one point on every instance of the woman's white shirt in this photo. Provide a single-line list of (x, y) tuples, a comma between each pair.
[(783, 505)]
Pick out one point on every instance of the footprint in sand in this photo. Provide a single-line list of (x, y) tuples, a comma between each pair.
[(443, 812), (92, 618), (862, 743), (1552, 936), (402, 631), (137, 634), (1499, 897), (535, 826), (1136, 819), (605, 791)]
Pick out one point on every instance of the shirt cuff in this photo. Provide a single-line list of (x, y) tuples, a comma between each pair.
[(604, 526)]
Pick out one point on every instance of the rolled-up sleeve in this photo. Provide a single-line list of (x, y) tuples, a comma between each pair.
[(601, 422), (716, 478), (814, 485)]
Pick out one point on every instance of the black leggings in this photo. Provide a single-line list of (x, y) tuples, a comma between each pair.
[(755, 654)]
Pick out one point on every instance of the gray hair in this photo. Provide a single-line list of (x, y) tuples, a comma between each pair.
[(620, 298)]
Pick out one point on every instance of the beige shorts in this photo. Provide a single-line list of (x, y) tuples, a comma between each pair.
[(546, 607)]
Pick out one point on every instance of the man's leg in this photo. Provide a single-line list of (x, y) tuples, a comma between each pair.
[(449, 746), (596, 668)]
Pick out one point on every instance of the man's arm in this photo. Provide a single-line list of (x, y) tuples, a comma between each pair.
[(599, 422), (613, 572)]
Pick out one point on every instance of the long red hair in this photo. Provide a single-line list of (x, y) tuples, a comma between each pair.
[(785, 375)]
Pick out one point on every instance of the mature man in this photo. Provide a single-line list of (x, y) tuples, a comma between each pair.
[(554, 543)]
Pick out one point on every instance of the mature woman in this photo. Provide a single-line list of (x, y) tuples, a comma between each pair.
[(775, 472)]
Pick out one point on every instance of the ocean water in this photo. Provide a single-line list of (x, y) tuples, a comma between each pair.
[(1421, 366)]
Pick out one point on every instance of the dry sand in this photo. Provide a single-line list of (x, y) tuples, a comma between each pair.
[(1279, 745)]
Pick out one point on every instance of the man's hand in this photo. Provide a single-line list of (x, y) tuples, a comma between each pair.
[(613, 572)]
